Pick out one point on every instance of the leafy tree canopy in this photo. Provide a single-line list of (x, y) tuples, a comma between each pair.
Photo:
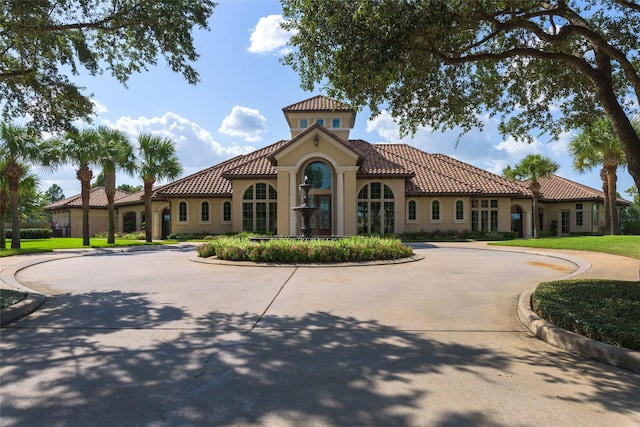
[(53, 194), (43, 42), (541, 66)]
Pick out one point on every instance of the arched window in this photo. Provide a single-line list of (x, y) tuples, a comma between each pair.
[(204, 212), (412, 211), (182, 212), (376, 209), (435, 211), (459, 211), (319, 175), (260, 209), (226, 212)]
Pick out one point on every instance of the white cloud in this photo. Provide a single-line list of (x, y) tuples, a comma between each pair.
[(195, 145), (245, 123), (268, 36), (98, 108)]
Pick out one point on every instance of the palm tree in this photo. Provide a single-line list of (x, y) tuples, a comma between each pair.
[(18, 146), (158, 161), (596, 146), (82, 149), (532, 168), (116, 153), (27, 188)]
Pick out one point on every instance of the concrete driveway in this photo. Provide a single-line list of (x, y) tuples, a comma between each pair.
[(153, 339)]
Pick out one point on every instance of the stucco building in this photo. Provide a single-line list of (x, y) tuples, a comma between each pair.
[(358, 188)]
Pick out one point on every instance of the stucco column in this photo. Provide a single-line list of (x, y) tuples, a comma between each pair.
[(340, 203), (527, 225), (156, 226), (293, 201)]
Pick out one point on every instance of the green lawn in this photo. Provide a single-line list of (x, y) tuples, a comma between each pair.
[(47, 245), (615, 245)]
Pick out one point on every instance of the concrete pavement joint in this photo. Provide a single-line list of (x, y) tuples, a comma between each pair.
[(274, 299)]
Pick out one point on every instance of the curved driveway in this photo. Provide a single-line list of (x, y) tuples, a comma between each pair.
[(153, 338)]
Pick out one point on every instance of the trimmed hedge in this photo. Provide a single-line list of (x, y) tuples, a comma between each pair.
[(31, 233), (604, 310), (288, 250)]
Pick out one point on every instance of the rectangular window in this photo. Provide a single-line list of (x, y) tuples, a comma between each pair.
[(247, 217), (303, 123), (413, 211), (204, 212), (435, 210), (226, 212), (182, 212), (564, 222), (389, 217), (376, 190), (579, 216), (363, 218), (320, 122), (484, 215), (261, 217), (459, 210), (376, 218), (261, 191), (335, 123), (273, 218)]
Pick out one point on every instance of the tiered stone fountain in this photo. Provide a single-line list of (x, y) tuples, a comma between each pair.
[(305, 209)]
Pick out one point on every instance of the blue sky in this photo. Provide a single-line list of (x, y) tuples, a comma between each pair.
[(237, 106)]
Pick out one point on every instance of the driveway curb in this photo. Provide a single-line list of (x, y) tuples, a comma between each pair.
[(572, 342)]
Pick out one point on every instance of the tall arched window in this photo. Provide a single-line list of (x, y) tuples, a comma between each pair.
[(459, 211), (204, 212), (226, 212), (435, 211), (412, 211), (182, 212), (376, 209), (260, 209)]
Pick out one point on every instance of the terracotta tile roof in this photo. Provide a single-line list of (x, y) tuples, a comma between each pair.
[(558, 189), (376, 164), (97, 200), (212, 182), (440, 174), (318, 103)]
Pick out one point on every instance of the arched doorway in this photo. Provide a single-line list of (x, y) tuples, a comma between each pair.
[(321, 177), (517, 220), (166, 223)]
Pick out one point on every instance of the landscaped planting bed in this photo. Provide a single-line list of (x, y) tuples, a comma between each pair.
[(291, 250), (604, 310)]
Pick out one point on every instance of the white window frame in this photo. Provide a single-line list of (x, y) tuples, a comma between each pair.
[(409, 219), (178, 220), (455, 211), (200, 220), (222, 220), (431, 219)]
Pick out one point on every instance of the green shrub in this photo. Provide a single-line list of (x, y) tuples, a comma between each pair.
[(288, 250), (31, 233), (136, 235), (604, 310)]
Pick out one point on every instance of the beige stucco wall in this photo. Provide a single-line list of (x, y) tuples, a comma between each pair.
[(98, 219), (553, 211), (194, 223)]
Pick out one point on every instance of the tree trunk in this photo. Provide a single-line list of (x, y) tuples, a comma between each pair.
[(85, 175), (622, 126), (13, 171), (607, 201), (3, 212), (613, 199), (535, 190), (148, 222), (110, 190)]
